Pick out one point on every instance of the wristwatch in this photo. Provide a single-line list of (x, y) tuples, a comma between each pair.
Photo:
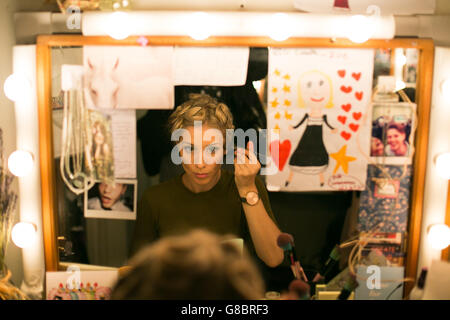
[(251, 198)]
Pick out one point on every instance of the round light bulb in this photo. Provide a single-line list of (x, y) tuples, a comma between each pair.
[(439, 236), (23, 234), (199, 26), (443, 165), (20, 163), (445, 89), (17, 87), (119, 25), (280, 27), (400, 59), (399, 85), (360, 29)]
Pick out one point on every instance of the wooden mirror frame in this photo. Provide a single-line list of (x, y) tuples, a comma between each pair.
[(446, 252), (44, 90)]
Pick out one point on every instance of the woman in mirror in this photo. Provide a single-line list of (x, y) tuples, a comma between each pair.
[(205, 195)]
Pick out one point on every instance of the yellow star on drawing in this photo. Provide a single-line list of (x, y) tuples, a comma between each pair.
[(287, 103), (287, 77), (286, 88), (277, 115), (342, 159), (274, 89), (277, 72), (274, 103), (288, 115), (276, 129)]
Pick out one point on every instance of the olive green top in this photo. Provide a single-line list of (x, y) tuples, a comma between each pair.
[(172, 209)]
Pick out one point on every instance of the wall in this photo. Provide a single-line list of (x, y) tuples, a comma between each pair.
[(7, 118)]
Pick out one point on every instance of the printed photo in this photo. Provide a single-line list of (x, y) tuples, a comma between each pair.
[(111, 200), (99, 153), (392, 136), (128, 77)]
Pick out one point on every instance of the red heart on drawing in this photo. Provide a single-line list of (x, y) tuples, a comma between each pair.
[(341, 73), (345, 135), (346, 89), (280, 152), (359, 95), (342, 119), (346, 107), (353, 127), (357, 115), (356, 76)]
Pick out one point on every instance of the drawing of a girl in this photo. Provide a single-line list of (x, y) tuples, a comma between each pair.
[(315, 92)]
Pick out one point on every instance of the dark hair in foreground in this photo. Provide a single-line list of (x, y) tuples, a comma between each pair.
[(196, 266)]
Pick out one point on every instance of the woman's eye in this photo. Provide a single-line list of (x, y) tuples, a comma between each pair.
[(212, 150), (309, 84), (320, 82), (188, 149)]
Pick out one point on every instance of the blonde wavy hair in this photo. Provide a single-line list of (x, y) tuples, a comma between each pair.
[(204, 108), (199, 265)]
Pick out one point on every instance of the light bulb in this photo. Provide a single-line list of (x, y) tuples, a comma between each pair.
[(445, 89), (23, 234), (17, 87), (442, 162), (400, 59), (20, 163), (119, 25), (199, 26), (399, 85), (280, 27), (359, 29), (439, 236)]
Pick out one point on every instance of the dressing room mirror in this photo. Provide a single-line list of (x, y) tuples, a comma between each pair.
[(72, 237)]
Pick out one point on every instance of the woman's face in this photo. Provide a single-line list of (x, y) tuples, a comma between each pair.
[(99, 138), (395, 139), (110, 193), (315, 90), (377, 147), (202, 157)]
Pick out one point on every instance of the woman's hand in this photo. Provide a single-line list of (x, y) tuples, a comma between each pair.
[(246, 167)]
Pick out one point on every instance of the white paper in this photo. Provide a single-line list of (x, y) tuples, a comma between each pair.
[(123, 127), (222, 66), (309, 85), (74, 284), (128, 77), (437, 284), (386, 7)]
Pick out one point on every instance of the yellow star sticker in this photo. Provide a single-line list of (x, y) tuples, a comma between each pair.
[(288, 115), (287, 77), (274, 103), (287, 103), (274, 89), (342, 159), (277, 72), (276, 129), (286, 88), (277, 115)]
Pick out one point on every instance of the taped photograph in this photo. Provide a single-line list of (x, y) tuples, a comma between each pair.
[(111, 200), (392, 137)]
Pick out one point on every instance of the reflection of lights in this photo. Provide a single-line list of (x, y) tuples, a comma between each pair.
[(445, 89), (119, 25), (17, 87), (23, 234), (399, 85), (20, 163), (439, 236), (442, 162), (400, 59), (257, 85), (280, 27), (199, 26), (360, 28)]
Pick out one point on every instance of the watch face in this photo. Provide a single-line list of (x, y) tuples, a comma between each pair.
[(252, 198)]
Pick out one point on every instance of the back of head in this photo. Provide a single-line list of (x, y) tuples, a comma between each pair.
[(196, 266)]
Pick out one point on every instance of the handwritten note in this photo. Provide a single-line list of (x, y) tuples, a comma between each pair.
[(222, 66), (123, 125)]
